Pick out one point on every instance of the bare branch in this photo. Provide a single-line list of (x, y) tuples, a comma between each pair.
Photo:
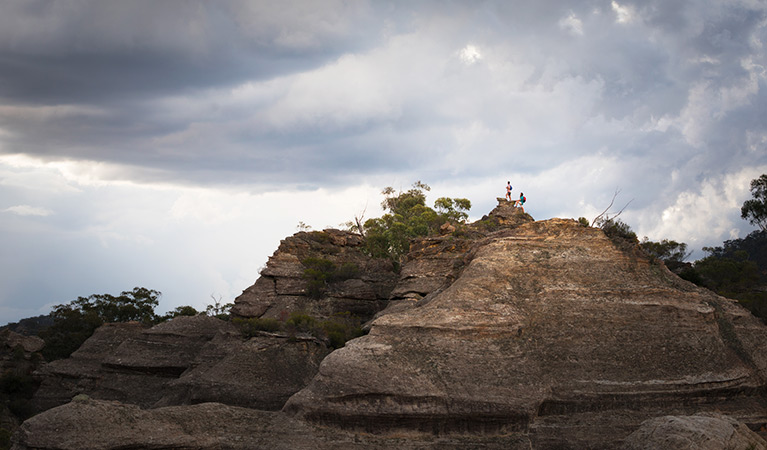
[(617, 191), (605, 215), (359, 219)]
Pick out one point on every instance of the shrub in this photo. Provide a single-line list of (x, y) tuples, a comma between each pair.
[(341, 328), (250, 327), (301, 322), (319, 272)]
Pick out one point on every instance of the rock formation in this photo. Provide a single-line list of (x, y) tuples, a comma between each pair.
[(552, 331), (184, 361), (698, 432), (87, 424), (283, 286), (19, 357), (507, 333)]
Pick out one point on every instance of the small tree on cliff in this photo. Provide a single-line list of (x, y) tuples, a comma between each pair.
[(755, 209), (408, 217)]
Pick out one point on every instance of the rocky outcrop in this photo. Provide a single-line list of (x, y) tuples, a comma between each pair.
[(507, 333), (698, 432), (552, 331), (186, 360), (261, 372), (86, 424), (19, 358), (283, 288)]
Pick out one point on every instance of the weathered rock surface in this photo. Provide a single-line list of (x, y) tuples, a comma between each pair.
[(19, 358), (86, 424), (282, 288), (552, 331), (698, 432), (183, 361)]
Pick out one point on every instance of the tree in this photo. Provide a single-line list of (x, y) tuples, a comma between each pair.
[(666, 250), (408, 217), (76, 321), (453, 209), (755, 209), (218, 309)]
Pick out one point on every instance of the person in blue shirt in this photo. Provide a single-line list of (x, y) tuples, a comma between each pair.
[(521, 201)]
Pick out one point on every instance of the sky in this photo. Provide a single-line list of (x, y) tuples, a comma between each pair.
[(172, 144)]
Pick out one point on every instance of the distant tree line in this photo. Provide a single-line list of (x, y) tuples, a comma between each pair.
[(737, 269)]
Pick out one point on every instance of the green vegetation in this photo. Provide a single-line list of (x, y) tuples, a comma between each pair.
[(672, 253), (76, 321), (620, 233), (755, 209), (217, 309), (336, 330), (320, 272), (252, 326), (407, 217)]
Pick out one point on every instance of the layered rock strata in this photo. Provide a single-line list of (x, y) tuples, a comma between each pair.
[(283, 286), (87, 424), (552, 331), (698, 432), (183, 361)]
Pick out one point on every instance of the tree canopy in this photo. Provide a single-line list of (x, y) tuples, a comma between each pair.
[(407, 217), (76, 321), (755, 209)]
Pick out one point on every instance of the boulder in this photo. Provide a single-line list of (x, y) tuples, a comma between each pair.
[(698, 432)]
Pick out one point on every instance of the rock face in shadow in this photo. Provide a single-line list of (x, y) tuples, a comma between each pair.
[(86, 424), (362, 287), (552, 331), (183, 361)]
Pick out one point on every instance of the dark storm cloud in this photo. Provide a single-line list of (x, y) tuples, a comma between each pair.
[(90, 51), (342, 90)]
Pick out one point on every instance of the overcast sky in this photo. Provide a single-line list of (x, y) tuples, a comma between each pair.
[(172, 144)]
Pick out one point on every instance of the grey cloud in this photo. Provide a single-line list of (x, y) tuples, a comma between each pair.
[(90, 51)]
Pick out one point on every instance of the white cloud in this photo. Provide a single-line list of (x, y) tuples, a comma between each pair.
[(470, 54), (572, 24), (707, 213), (623, 13), (26, 210)]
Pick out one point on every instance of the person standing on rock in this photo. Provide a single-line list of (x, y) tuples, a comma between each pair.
[(521, 201), (508, 191)]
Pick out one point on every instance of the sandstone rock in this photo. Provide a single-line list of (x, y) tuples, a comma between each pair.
[(552, 331), (282, 287), (698, 432), (82, 372), (86, 424), (262, 372), (28, 344), (19, 358), (182, 361)]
